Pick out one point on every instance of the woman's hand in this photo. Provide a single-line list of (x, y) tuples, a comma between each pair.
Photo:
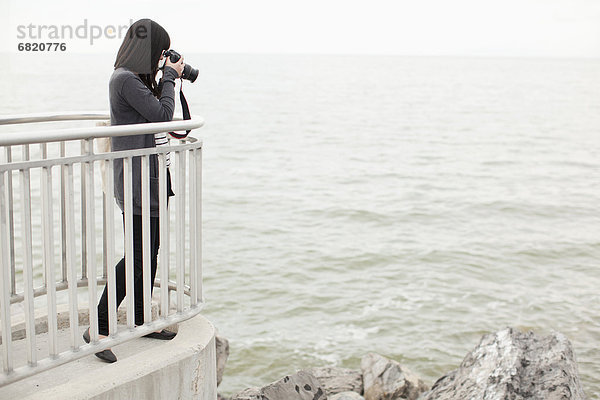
[(178, 66)]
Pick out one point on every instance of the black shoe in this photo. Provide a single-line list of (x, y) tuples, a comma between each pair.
[(162, 335), (105, 355)]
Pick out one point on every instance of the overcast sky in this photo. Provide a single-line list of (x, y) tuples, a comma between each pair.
[(556, 28)]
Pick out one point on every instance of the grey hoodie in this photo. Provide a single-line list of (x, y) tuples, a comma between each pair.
[(131, 102)]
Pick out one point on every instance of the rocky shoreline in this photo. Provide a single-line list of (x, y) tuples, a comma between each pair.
[(507, 364)]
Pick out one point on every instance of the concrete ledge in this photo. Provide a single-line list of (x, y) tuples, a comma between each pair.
[(62, 319), (183, 368)]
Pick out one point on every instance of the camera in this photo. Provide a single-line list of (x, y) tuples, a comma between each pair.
[(190, 73)]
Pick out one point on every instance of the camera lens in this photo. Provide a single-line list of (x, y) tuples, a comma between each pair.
[(189, 73)]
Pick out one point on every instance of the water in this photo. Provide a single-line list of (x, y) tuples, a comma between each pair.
[(405, 206)]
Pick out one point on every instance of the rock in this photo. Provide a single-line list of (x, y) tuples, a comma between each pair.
[(222, 355), (347, 396), (300, 386), (248, 394), (385, 379), (221, 397), (336, 380), (514, 365)]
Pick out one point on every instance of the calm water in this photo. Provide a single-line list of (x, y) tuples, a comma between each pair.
[(400, 205)]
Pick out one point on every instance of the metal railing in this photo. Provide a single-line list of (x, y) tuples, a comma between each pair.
[(31, 251)]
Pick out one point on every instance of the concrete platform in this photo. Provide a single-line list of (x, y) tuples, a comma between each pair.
[(183, 368)]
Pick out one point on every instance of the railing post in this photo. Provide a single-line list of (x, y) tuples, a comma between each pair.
[(180, 228), (198, 203), (146, 256), (25, 152), (86, 149), (48, 242), (164, 235), (63, 214), (104, 146), (109, 246), (90, 243), (193, 251), (11, 222), (5, 280), (69, 229), (129, 279), (28, 265)]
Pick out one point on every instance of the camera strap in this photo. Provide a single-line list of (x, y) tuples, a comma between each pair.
[(186, 114)]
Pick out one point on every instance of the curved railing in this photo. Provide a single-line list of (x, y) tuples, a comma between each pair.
[(30, 250)]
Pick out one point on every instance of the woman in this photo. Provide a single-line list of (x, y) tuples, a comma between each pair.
[(136, 98)]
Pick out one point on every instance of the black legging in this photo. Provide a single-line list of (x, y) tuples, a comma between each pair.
[(137, 274)]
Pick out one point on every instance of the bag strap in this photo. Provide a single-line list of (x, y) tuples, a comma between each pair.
[(186, 114)]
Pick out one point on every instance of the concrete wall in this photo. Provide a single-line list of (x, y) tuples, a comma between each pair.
[(184, 368)]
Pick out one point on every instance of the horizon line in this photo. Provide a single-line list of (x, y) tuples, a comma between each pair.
[(344, 54)]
